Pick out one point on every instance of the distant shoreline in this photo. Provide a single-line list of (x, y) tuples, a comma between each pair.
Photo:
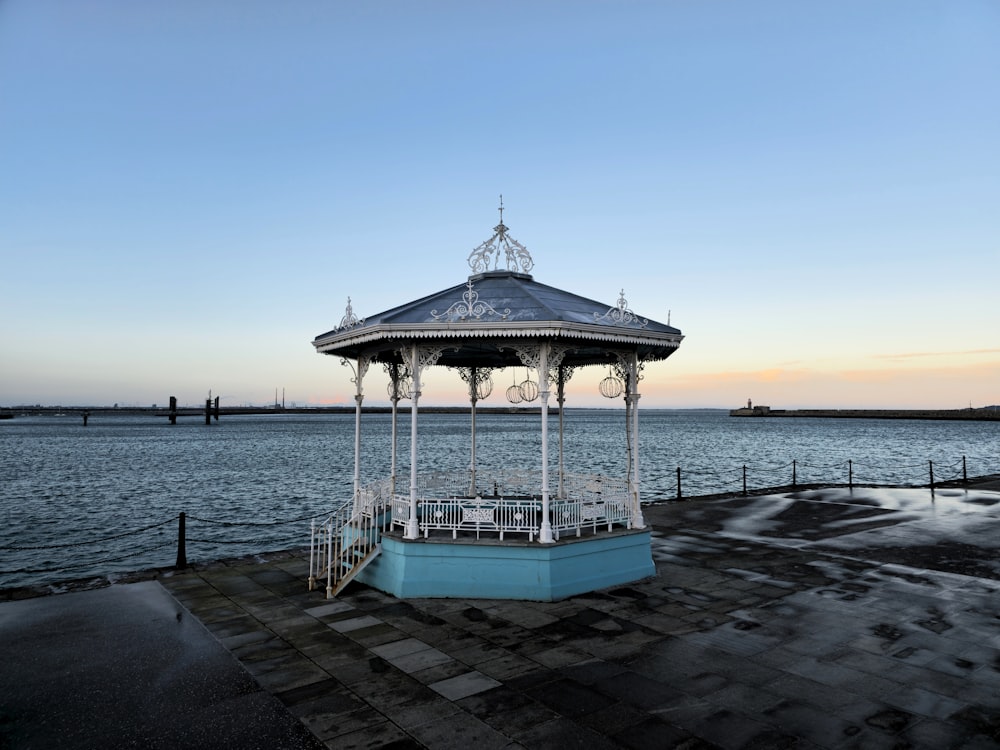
[(990, 414), (9, 412)]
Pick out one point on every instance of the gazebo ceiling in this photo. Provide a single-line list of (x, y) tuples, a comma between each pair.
[(480, 323)]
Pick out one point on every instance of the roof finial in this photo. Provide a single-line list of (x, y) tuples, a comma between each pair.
[(350, 319), (517, 256)]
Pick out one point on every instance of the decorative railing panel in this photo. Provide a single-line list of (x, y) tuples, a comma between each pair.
[(509, 502), (373, 499), (583, 515), (594, 488), (499, 515), (400, 510)]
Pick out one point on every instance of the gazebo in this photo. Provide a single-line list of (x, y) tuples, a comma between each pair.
[(538, 532)]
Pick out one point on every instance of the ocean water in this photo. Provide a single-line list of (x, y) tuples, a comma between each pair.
[(104, 499)]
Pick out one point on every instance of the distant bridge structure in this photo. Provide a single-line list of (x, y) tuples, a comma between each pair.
[(211, 410)]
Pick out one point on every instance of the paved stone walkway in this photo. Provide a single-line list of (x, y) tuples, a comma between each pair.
[(792, 621)]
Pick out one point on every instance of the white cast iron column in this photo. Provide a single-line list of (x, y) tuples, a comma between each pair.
[(416, 359), (359, 396), (473, 397), (392, 470), (545, 532), (638, 522), (394, 378), (412, 527), (561, 400), (561, 373)]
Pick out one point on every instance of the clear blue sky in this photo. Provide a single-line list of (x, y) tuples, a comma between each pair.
[(189, 191)]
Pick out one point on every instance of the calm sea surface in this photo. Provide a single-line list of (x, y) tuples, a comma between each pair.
[(104, 499)]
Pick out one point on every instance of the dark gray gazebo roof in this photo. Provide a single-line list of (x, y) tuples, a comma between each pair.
[(478, 321)]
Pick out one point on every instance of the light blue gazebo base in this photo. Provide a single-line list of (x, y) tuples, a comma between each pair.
[(487, 569)]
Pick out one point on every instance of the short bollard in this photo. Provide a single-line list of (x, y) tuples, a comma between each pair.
[(181, 542)]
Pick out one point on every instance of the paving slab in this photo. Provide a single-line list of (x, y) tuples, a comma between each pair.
[(463, 685)]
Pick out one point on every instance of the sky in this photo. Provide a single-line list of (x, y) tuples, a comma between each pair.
[(191, 190)]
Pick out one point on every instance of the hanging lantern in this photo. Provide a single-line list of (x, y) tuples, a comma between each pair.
[(484, 386), (514, 394), (529, 390), (611, 387)]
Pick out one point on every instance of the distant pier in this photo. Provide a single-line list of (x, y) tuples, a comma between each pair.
[(984, 414)]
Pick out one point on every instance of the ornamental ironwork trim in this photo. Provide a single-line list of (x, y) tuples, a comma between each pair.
[(621, 314), (478, 379), (506, 336), (360, 369), (470, 306), (350, 320), (426, 356), (517, 257)]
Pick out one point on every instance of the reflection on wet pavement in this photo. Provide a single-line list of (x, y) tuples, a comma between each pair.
[(833, 619), (950, 530)]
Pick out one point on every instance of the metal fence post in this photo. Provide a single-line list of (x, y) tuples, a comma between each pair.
[(931, 465), (850, 474), (793, 472), (744, 480), (678, 482), (312, 553), (181, 542)]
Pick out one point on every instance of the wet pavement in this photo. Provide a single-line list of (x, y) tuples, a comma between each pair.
[(127, 666), (821, 618)]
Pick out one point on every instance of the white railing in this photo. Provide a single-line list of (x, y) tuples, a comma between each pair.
[(582, 515), (594, 488), (373, 498), (500, 515), (509, 503)]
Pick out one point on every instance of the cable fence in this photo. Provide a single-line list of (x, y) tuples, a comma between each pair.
[(149, 546), (759, 477)]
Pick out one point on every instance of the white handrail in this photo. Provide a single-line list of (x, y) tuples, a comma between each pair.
[(344, 541)]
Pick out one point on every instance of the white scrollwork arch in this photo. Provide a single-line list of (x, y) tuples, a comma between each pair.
[(360, 368), (425, 357), (350, 320), (470, 306), (621, 315), (515, 254)]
